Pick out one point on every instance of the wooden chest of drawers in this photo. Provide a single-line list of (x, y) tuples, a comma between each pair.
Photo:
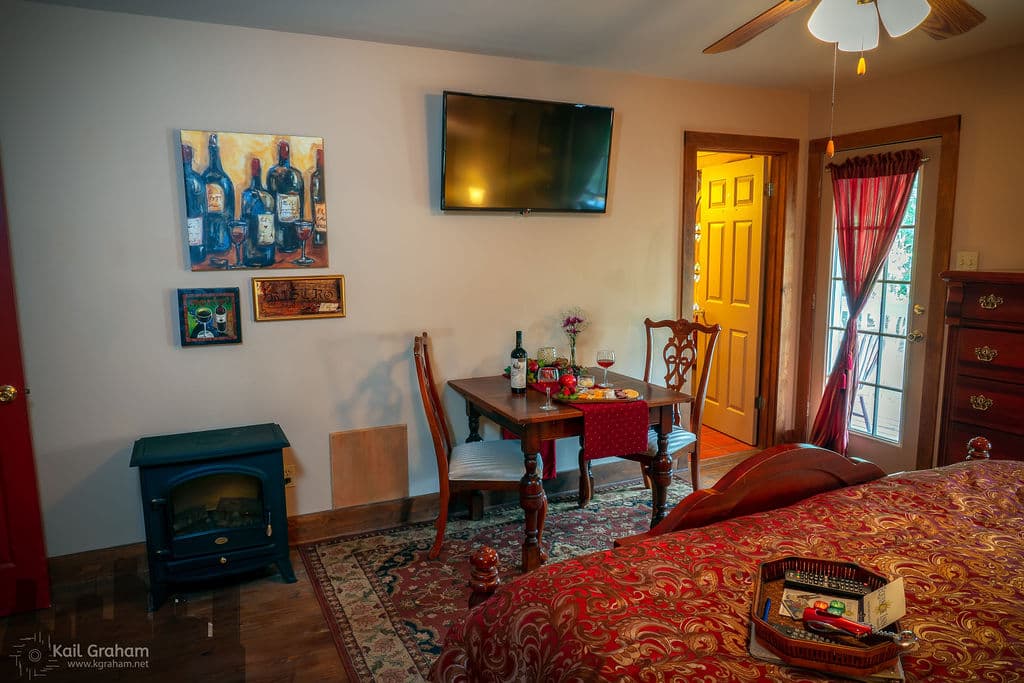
[(983, 392)]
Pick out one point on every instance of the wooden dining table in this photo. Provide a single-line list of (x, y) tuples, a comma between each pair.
[(521, 414)]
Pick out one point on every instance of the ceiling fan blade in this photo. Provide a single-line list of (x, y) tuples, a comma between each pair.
[(762, 22), (950, 18)]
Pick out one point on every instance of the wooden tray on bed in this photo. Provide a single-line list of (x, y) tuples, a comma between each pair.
[(849, 658)]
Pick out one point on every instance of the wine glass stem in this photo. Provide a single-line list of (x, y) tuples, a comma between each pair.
[(606, 375), (238, 254)]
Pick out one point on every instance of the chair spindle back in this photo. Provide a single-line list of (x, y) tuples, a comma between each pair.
[(681, 356)]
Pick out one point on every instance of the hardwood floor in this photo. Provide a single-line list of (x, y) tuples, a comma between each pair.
[(256, 630)]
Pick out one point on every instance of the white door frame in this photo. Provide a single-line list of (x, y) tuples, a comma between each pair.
[(948, 129)]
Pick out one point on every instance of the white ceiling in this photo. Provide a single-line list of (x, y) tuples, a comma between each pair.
[(654, 37)]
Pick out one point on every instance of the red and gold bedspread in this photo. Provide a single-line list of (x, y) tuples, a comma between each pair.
[(677, 607)]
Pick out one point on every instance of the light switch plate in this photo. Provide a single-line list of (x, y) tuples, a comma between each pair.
[(966, 260)]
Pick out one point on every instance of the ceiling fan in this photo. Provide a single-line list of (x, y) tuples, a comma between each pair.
[(947, 18)]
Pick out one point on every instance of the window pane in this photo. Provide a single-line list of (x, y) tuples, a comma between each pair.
[(900, 262), (897, 309), (890, 407), (862, 418), (867, 358), (893, 360), (870, 318), (840, 313), (910, 217), (834, 338)]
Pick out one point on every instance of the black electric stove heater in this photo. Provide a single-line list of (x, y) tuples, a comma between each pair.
[(214, 505)]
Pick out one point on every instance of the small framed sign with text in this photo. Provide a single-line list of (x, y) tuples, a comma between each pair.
[(297, 298)]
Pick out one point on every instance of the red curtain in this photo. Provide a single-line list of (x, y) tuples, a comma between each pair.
[(871, 195)]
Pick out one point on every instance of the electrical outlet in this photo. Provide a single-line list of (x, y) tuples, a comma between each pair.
[(966, 260), (289, 474)]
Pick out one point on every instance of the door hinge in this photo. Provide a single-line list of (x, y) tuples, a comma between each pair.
[(769, 189), (759, 403)]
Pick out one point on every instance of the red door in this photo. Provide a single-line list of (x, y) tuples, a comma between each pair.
[(24, 581)]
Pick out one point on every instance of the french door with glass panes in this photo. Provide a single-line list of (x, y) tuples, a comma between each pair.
[(890, 329)]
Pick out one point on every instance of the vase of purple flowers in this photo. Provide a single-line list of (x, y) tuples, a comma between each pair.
[(574, 321)]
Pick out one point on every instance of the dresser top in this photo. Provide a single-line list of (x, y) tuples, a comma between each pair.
[(1006, 277)]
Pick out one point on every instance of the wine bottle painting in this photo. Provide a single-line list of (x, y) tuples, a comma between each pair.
[(273, 184), (209, 316)]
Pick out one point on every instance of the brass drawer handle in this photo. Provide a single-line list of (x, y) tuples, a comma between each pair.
[(223, 560), (990, 301), (985, 354), (981, 402)]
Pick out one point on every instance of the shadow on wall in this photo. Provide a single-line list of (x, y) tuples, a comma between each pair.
[(102, 508)]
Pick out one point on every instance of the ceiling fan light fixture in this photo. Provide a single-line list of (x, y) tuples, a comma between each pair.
[(852, 24), (900, 17)]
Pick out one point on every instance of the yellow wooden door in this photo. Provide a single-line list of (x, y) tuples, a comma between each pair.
[(730, 254)]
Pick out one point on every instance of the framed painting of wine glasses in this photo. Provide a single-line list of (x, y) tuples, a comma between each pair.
[(253, 200), (209, 316), (298, 298)]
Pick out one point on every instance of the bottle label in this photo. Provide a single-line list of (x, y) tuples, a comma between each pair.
[(288, 207), (214, 198), (517, 373), (265, 229), (195, 231), (320, 217)]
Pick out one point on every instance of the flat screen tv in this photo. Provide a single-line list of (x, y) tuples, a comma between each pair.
[(508, 154)]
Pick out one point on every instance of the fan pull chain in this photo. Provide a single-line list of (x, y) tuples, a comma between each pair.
[(830, 148)]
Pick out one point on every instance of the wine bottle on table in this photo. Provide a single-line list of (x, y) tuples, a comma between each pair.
[(258, 213), (318, 201), (195, 207), (220, 202), (517, 369), (286, 186)]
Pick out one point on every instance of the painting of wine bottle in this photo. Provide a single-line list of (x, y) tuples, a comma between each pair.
[(249, 198), (209, 316)]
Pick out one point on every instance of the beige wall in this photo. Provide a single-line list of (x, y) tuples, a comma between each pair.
[(92, 103), (988, 93)]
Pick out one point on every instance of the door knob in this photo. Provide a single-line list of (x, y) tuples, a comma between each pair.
[(915, 336), (8, 393)]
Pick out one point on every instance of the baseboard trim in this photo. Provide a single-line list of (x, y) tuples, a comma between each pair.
[(317, 526)]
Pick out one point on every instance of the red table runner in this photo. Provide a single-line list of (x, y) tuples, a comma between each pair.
[(609, 429), (613, 428)]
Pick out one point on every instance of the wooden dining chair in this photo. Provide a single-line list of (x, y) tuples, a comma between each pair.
[(472, 467), (689, 350)]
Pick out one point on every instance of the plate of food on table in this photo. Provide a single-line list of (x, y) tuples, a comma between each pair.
[(598, 395)]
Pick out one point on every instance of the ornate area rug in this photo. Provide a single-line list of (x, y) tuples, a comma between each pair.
[(389, 606)]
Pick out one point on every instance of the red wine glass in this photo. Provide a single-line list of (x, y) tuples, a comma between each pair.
[(237, 231), (606, 359), (548, 375), (303, 230)]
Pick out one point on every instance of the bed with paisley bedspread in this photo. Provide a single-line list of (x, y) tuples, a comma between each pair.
[(676, 606)]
